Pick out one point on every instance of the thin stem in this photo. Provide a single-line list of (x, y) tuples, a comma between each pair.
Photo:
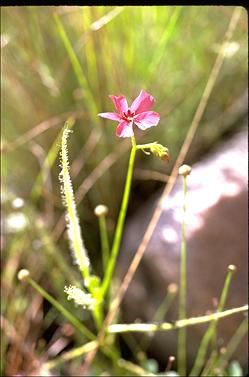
[(133, 142), (166, 326), (221, 305), (72, 354), (158, 316), (211, 331), (165, 305), (146, 146), (120, 224), (181, 351), (232, 345), (98, 315), (71, 318), (108, 351), (210, 364), (105, 248)]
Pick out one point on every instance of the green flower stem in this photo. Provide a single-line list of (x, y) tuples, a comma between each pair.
[(221, 304), (98, 315), (165, 326), (105, 249), (104, 241), (165, 305), (181, 350), (70, 317), (120, 224), (211, 331)]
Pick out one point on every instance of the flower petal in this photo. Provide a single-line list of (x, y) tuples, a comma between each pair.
[(142, 103), (112, 116), (120, 103), (147, 119), (124, 129)]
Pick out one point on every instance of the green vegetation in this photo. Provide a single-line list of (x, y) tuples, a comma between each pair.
[(61, 63)]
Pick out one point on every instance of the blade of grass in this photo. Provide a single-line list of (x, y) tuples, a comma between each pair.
[(168, 33), (87, 94)]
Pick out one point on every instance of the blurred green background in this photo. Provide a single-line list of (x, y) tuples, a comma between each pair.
[(64, 61)]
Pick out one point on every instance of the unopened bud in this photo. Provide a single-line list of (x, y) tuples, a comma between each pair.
[(101, 210), (172, 288), (184, 170), (23, 275), (160, 151), (231, 268)]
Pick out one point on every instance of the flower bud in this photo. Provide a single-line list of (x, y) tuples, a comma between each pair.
[(160, 151), (101, 210), (172, 288), (23, 275), (184, 170), (231, 268)]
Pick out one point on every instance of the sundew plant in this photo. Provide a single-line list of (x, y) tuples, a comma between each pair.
[(93, 293), (103, 106)]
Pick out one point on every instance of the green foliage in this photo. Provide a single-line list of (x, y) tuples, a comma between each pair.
[(59, 62)]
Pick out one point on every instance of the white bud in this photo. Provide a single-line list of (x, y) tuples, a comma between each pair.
[(101, 210), (23, 275), (184, 170)]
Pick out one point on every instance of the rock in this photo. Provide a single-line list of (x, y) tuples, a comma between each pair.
[(217, 224)]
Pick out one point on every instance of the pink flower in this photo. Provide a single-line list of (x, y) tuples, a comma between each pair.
[(138, 113)]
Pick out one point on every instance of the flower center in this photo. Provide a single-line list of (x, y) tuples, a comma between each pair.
[(128, 115)]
